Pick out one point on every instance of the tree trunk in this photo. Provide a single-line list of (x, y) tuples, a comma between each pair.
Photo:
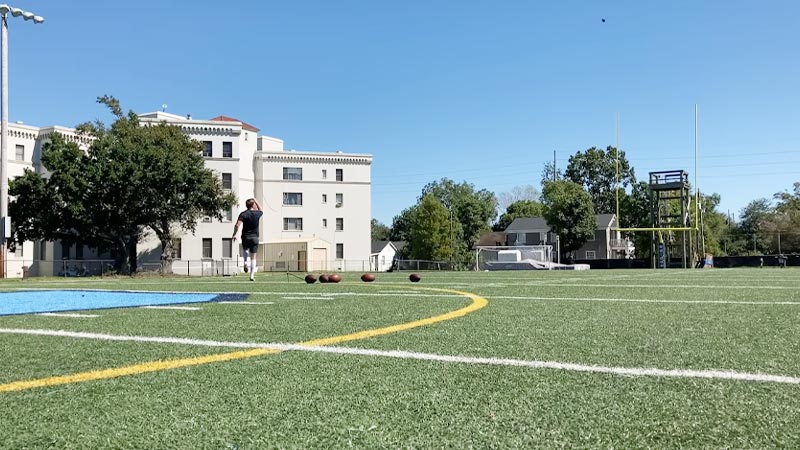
[(132, 255), (166, 255)]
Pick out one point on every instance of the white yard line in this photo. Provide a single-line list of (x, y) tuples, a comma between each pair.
[(181, 308), (641, 300), (554, 365), (246, 303), (82, 316)]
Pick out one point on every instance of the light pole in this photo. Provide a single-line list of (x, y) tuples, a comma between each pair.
[(5, 221)]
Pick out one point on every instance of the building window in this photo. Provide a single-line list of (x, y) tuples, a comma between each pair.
[(42, 251), (339, 200), (590, 254), (79, 251), (65, 248), (324, 198), (293, 173), (292, 224), (227, 181), (227, 149), (339, 175), (176, 248), (293, 198), (229, 215), (340, 224), (207, 248), (324, 174), (339, 251), (207, 149), (227, 247), (20, 153), (324, 223), (18, 249)]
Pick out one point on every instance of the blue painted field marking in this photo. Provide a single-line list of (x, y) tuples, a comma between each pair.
[(38, 301)]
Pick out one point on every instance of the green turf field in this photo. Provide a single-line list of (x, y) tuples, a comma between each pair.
[(553, 360)]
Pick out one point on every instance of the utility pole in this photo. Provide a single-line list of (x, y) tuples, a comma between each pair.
[(555, 169)]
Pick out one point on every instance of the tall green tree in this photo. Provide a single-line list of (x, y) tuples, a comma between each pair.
[(380, 232), (596, 170), (520, 208), (784, 224), (430, 234), (636, 211), (472, 211), (717, 228), (401, 226), (570, 213), (550, 173), (751, 226), (133, 179)]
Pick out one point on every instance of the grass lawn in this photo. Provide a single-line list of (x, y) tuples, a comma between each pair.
[(736, 320)]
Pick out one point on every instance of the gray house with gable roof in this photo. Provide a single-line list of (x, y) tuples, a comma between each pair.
[(607, 242)]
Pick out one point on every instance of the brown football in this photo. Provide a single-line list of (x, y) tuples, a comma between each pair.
[(334, 278), (310, 278), (414, 278), (323, 278), (368, 277)]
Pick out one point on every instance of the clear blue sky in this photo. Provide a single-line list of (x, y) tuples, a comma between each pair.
[(474, 91)]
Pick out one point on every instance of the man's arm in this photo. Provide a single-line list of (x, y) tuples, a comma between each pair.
[(255, 203), (236, 229)]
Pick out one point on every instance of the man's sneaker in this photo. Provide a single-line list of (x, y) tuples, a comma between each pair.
[(245, 268), (252, 278)]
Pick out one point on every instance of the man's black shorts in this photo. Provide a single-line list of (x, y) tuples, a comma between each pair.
[(250, 244)]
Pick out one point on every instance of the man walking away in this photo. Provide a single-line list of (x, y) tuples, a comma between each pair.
[(248, 221)]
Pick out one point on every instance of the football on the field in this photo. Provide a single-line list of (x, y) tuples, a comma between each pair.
[(334, 278), (323, 278), (367, 277), (310, 278), (414, 278)]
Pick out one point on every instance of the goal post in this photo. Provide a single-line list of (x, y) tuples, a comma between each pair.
[(518, 257)]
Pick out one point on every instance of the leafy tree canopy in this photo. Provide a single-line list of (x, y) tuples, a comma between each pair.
[(473, 210), (132, 179), (596, 170), (430, 231), (570, 213), (380, 232), (520, 208)]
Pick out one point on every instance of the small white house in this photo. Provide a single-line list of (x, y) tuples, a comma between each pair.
[(383, 254)]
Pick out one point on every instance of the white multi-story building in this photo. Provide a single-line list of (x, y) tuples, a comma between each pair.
[(316, 205)]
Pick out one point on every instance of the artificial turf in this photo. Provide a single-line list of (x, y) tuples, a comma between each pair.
[(628, 318)]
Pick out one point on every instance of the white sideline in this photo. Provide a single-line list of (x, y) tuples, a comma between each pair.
[(246, 303), (642, 300), (87, 316), (181, 308), (622, 371)]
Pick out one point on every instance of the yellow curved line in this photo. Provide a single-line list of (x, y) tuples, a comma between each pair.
[(156, 366)]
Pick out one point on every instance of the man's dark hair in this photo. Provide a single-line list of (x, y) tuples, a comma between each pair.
[(249, 203)]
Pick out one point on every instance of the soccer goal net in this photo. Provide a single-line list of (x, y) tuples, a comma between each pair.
[(514, 257)]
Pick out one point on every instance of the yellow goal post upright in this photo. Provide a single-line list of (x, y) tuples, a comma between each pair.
[(668, 188)]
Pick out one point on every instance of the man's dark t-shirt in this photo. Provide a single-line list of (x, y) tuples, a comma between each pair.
[(250, 220)]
